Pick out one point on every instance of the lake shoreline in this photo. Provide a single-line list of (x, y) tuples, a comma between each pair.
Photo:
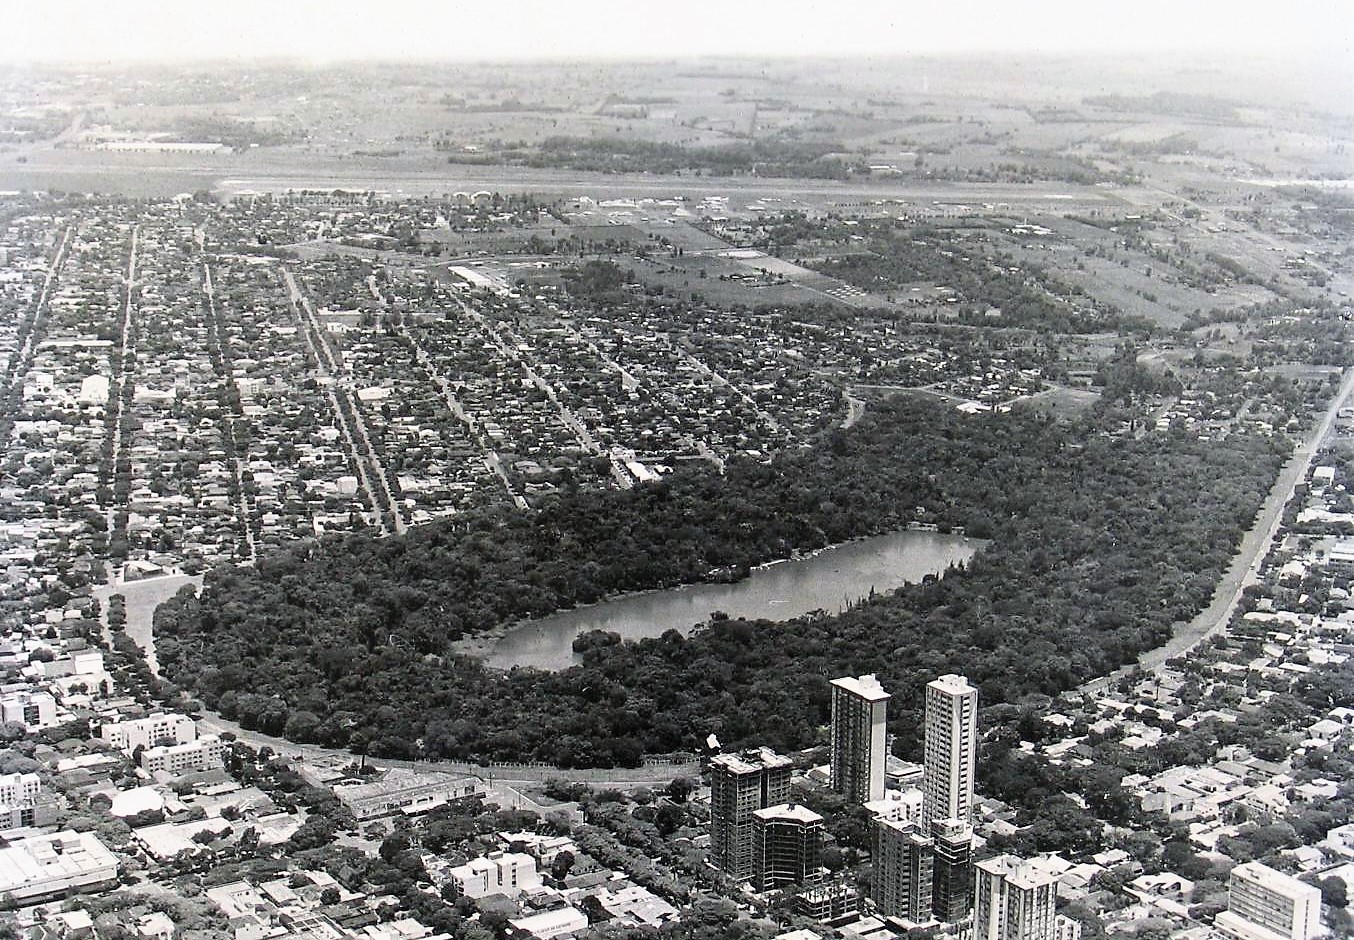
[(483, 646)]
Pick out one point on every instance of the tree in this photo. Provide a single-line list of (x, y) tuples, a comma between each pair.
[(680, 789), (1334, 892), (668, 818), (561, 864), (314, 833), (392, 846)]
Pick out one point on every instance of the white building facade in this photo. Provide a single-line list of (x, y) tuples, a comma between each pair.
[(859, 737), (950, 752)]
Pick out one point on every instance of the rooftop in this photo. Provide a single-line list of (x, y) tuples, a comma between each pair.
[(1273, 880), (1021, 872), (789, 812), (750, 761), (866, 687), (952, 684)]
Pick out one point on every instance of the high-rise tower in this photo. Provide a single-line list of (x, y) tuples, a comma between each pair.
[(859, 739), (1014, 899), (900, 881), (951, 870), (787, 846), (951, 749), (740, 785)]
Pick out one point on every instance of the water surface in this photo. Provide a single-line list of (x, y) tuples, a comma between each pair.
[(827, 581)]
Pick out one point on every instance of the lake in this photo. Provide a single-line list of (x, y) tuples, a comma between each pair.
[(826, 581)]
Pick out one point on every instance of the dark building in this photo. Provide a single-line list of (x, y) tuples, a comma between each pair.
[(952, 873), (741, 784), (787, 846)]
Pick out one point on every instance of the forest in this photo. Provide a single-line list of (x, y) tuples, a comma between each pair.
[(1098, 544)]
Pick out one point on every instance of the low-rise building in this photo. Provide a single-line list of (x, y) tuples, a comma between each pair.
[(41, 868), (549, 924), (206, 753), (507, 873), (155, 730), (1264, 904), (22, 802), (827, 902), (636, 906), (406, 791), (902, 806), (33, 710), (19, 788)]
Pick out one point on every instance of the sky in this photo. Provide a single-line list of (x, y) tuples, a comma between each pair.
[(338, 30)]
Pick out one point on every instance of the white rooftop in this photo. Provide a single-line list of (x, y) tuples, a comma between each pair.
[(866, 687), (791, 812), (952, 684)]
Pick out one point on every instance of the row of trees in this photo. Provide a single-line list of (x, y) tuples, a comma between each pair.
[(816, 159)]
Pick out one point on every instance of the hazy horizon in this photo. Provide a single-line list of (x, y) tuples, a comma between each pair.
[(70, 32)]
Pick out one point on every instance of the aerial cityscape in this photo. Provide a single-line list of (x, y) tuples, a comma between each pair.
[(607, 485)]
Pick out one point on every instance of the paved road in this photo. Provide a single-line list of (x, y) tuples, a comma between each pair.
[(243, 503), (1245, 565), (22, 360), (368, 462), (116, 404)]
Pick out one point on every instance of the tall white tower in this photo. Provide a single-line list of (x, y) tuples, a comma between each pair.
[(951, 750), (859, 739)]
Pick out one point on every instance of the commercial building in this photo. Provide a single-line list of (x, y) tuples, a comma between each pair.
[(33, 710), (549, 924), (740, 785), (506, 873), (903, 870), (787, 846), (951, 749), (206, 753), (42, 868), (156, 730), (1014, 899), (1264, 904), (406, 791), (952, 871), (859, 737)]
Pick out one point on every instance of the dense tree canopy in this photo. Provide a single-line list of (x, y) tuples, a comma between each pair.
[(1098, 545)]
